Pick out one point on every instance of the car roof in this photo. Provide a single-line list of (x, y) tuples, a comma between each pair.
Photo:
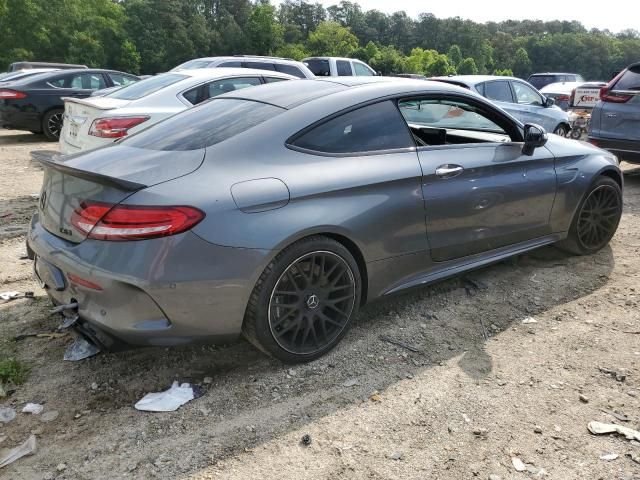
[(243, 57), (552, 73), (473, 79), (327, 57), (289, 95), (227, 71), (64, 71)]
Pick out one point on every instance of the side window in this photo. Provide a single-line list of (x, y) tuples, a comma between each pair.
[(362, 70), (234, 64), (274, 79), (60, 82), (121, 79), (219, 87), (630, 80), (290, 69), (498, 90), (526, 95), (480, 89), (450, 121), (194, 95), (344, 68), (319, 67), (261, 65), (376, 127)]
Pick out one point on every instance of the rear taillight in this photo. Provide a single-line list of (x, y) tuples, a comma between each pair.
[(11, 94), (115, 127), (102, 221), (607, 95)]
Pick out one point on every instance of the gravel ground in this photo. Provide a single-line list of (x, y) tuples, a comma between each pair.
[(462, 406)]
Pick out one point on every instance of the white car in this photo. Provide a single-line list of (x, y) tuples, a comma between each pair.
[(338, 67), (97, 121)]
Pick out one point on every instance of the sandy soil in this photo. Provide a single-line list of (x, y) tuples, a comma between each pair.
[(462, 407)]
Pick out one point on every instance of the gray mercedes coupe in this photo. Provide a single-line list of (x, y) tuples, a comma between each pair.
[(277, 211)]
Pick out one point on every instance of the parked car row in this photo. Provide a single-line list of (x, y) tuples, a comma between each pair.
[(276, 211)]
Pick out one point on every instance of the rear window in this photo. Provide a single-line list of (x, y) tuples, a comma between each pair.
[(290, 69), (147, 86), (319, 67), (205, 125), (540, 81), (191, 64), (630, 80)]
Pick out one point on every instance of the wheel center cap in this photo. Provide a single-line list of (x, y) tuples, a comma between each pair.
[(313, 301)]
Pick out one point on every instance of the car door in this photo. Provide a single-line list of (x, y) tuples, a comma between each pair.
[(617, 115), (480, 191), (532, 105)]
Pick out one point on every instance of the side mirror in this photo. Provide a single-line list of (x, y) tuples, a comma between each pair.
[(549, 102), (534, 137)]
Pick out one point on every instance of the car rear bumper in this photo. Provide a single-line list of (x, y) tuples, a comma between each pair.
[(13, 118), (167, 291), (627, 150)]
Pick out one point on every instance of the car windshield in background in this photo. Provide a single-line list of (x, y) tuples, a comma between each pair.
[(191, 64), (319, 67), (540, 81), (630, 80), (446, 114), (146, 87), (204, 125)]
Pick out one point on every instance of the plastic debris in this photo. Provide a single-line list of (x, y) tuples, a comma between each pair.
[(12, 295), (350, 382), (34, 408), (528, 320), (167, 401), (396, 456), (518, 464), (80, 349), (619, 376), (7, 414), (27, 448), (599, 428), (618, 416), (609, 456)]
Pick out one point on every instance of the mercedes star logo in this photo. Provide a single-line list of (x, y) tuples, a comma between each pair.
[(313, 301)]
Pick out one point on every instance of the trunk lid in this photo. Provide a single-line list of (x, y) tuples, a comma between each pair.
[(79, 114), (108, 175)]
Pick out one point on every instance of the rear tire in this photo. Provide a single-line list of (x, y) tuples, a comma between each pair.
[(52, 124), (304, 301), (596, 219)]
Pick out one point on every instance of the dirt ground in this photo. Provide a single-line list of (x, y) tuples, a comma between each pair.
[(461, 407)]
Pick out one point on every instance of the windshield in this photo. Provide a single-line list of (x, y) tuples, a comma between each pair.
[(146, 87), (540, 81), (191, 64), (204, 125)]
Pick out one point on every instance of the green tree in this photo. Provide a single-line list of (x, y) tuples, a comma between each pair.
[(440, 66), (503, 73), (332, 39), (265, 34), (521, 64), (467, 67), (296, 51), (388, 61), (455, 55)]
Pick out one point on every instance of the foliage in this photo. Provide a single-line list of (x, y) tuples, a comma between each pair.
[(13, 372), (467, 67), (503, 73), (332, 39), (150, 36)]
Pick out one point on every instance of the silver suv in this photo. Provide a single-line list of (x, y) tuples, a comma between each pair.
[(615, 120), (274, 64)]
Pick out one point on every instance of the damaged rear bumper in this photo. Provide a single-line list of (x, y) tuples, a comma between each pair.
[(166, 291)]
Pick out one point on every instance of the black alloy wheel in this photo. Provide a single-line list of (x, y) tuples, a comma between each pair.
[(312, 302), (52, 124), (599, 217)]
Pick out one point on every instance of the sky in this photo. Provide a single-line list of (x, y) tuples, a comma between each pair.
[(623, 14)]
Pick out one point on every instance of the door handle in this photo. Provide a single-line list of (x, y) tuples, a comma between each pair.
[(611, 115), (448, 171)]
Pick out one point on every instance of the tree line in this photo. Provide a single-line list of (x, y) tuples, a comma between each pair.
[(151, 36)]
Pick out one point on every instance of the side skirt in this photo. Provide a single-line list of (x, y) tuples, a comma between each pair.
[(440, 271)]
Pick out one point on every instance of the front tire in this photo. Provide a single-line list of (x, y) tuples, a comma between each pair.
[(596, 219), (52, 124), (561, 130), (305, 300)]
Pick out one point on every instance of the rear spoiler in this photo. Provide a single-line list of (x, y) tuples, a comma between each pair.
[(86, 101), (53, 159)]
